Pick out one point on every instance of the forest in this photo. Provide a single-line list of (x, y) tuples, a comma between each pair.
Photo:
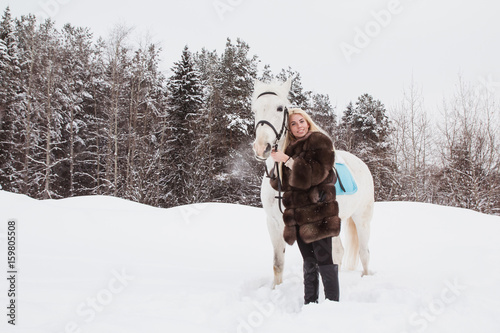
[(81, 115)]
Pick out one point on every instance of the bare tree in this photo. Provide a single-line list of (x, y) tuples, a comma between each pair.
[(470, 149), (117, 53), (412, 142)]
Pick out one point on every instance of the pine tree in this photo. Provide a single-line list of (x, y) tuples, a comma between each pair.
[(153, 130), (25, 134), (238, 73), (369, 121), (89, 174), (234, 165), (9, 102), (50, 154), (322, 111), (267, 75), (298, 97), (146, 122), (76, 57), (365, 131), (207, 128), (185, 101)]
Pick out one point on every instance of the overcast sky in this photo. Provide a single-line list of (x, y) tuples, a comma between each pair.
[(341, 48)]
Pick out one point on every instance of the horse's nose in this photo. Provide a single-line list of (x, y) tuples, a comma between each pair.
[(262, 151), (268, 149)]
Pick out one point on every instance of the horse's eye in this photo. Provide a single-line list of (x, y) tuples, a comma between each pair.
[(280, 109)]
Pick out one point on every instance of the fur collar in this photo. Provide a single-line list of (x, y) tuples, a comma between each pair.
[(308, 134)]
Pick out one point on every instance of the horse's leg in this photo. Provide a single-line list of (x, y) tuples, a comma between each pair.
[(362, 221), (276, 234), (337, 251)]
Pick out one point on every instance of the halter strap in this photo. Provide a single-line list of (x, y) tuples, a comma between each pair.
[(267, 93), (283, 125), (278, 137)]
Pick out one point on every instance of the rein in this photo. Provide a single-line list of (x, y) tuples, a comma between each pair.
[(279, 134), (283, 125)]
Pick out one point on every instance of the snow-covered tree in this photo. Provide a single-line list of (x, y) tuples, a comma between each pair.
[(267, 74), (368, 121), (470, 154), (118, 78), (185, 101), (76, 57), (9, 102), (233, 125), (237, 74), (412, 141), (297, 96), (82, 117), (323, 113), (365, 131), (49, 170)]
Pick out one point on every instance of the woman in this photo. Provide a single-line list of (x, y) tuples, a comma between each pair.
[(311, 210)]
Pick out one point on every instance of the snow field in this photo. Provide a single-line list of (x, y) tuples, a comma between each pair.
[(102, 264)]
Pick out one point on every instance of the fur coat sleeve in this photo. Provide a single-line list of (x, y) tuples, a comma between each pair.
[(313, 159)]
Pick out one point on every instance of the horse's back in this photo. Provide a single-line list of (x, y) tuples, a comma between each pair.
[(359, 169), (349, 204)]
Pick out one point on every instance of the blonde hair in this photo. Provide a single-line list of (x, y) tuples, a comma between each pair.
[(289, 138), (313, 127)]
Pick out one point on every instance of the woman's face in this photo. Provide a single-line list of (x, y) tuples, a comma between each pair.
[(298, 125)]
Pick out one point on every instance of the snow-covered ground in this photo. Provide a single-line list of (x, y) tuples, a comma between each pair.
[(101, 264)]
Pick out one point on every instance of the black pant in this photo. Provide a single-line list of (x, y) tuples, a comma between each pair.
[(319, 251)]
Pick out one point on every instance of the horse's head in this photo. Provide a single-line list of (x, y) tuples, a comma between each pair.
[(269, 104)]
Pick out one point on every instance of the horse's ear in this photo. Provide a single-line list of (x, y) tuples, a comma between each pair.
[(287, 85), (257, 83), (257, 88)]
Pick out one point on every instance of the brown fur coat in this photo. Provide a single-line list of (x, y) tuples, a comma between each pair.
[(309, 190)]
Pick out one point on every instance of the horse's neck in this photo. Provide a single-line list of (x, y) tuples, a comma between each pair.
[(281, 143), (269, 163)]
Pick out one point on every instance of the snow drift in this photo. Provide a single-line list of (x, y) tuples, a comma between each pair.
[(102, 264)]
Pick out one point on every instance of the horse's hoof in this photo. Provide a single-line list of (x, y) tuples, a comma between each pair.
[(365, 273)]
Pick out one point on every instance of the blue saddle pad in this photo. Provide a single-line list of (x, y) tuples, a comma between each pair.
[(347, 180)]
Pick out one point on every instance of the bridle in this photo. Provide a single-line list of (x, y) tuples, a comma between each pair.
[(283, 125), (279, 134)]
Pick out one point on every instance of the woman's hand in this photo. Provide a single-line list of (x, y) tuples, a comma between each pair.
[(279, 156)]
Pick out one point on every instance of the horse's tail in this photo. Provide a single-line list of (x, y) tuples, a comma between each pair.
[(352, 246)]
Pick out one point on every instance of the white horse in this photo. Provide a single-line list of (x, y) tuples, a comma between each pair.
[(269, 104)]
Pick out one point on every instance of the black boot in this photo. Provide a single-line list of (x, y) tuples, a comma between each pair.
[(330, 277), (311, 281)]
